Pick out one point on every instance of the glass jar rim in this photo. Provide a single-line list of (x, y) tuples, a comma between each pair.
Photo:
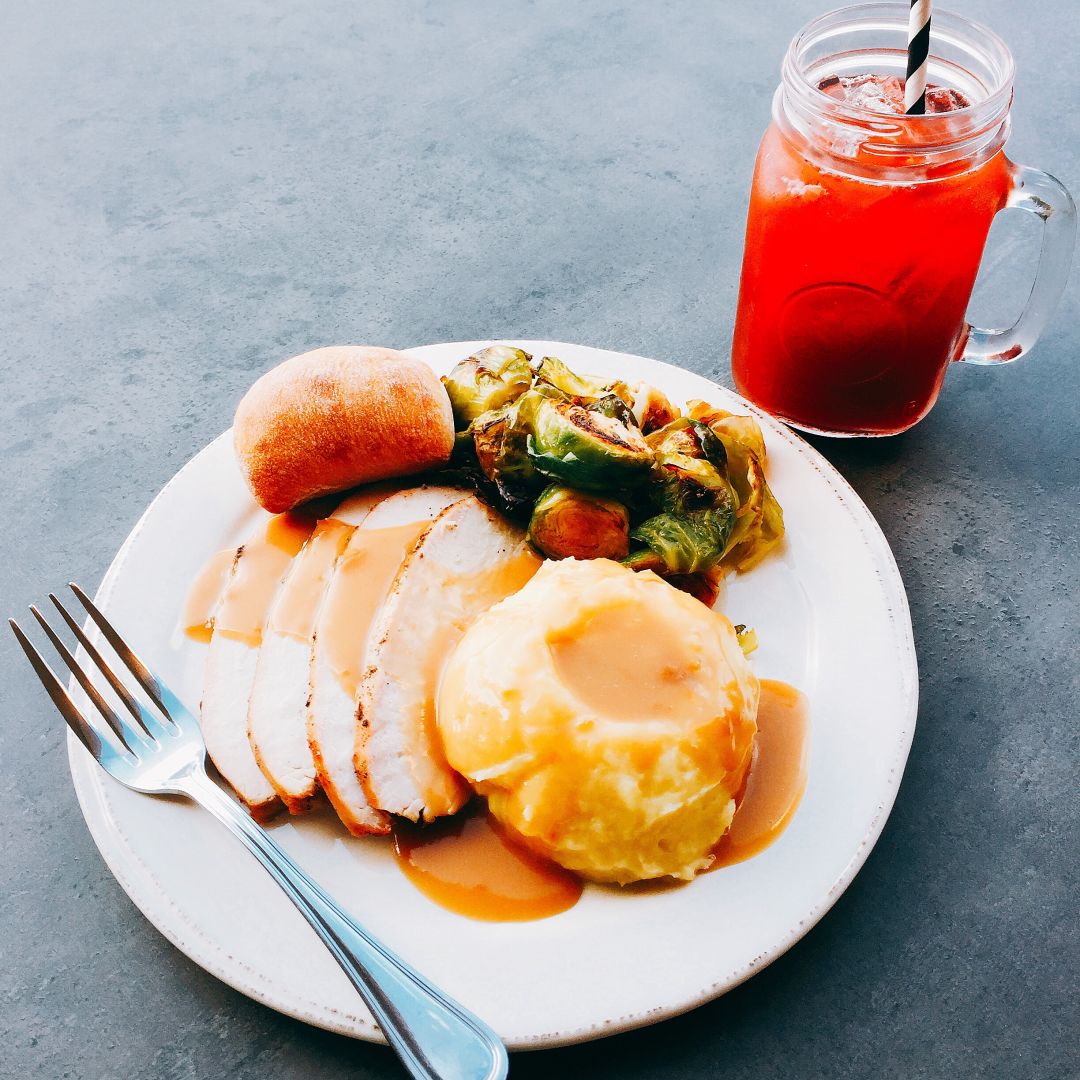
[(888, 146), (945, 25)]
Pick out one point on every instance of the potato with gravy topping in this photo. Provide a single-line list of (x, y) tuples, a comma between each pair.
[(608, 718)]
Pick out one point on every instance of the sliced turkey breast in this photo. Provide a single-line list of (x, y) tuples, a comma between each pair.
[(277, 710), (362, 577), (468, 560), (233, 654)]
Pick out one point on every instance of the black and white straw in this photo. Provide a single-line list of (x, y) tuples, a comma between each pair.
[(918, 53)]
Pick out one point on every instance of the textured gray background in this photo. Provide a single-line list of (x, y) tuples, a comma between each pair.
[(191, 192)]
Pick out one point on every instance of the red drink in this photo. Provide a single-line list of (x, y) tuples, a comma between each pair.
[(866, 226), (854, 290)]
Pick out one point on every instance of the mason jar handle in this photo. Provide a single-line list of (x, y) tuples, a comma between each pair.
[(1045, 197)]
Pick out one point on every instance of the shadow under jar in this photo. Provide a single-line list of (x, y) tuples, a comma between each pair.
[(866, 227)]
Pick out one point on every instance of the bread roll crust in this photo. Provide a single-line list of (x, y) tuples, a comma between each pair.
[(336, 417)]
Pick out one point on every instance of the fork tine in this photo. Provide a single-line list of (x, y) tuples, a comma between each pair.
[(122, 729), (122, 692), (146, 678), (55, 689)]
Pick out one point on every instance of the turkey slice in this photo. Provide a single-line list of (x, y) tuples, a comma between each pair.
[(362, 577), (468, 560), (277, 709), (233, 654)]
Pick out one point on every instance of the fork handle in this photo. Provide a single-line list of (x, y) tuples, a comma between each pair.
[(435, 1037)]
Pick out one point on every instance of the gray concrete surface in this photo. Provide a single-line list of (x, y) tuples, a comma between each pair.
[(190, 192)]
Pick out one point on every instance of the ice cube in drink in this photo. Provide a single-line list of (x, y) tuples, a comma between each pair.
[(885, 93), (882, 93)]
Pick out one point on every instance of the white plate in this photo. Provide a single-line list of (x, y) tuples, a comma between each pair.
[(832, 618)]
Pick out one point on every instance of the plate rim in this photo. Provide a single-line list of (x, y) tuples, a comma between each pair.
[(218, 962)]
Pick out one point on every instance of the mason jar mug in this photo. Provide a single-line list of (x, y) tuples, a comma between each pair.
[(866, 226)]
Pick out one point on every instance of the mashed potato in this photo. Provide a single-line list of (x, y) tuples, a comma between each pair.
[(608, 718)]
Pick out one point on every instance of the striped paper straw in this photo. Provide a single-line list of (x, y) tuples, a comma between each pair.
[(918, 52)]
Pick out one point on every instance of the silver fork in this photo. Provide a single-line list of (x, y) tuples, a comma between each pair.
[(162, 753)]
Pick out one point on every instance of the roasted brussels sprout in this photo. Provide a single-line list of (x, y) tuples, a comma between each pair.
[(729, 428), (759, 524), (691, 469), (690, 438), (687, 543), (569, 524), (487, 380), (681, 484), (586, 449), (644, 559), (676, 438), (500, 442), (553, 372), (583, 459), (651, 408), (613, 406), (696, 506)]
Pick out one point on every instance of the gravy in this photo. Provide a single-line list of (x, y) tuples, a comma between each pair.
[(260, 566), (363, 577), (204, 596), (469, 865), (777, 778), (623, 665), (297, 604), (236, 586)]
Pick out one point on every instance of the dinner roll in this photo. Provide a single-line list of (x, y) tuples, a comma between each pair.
[(333, 418)]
